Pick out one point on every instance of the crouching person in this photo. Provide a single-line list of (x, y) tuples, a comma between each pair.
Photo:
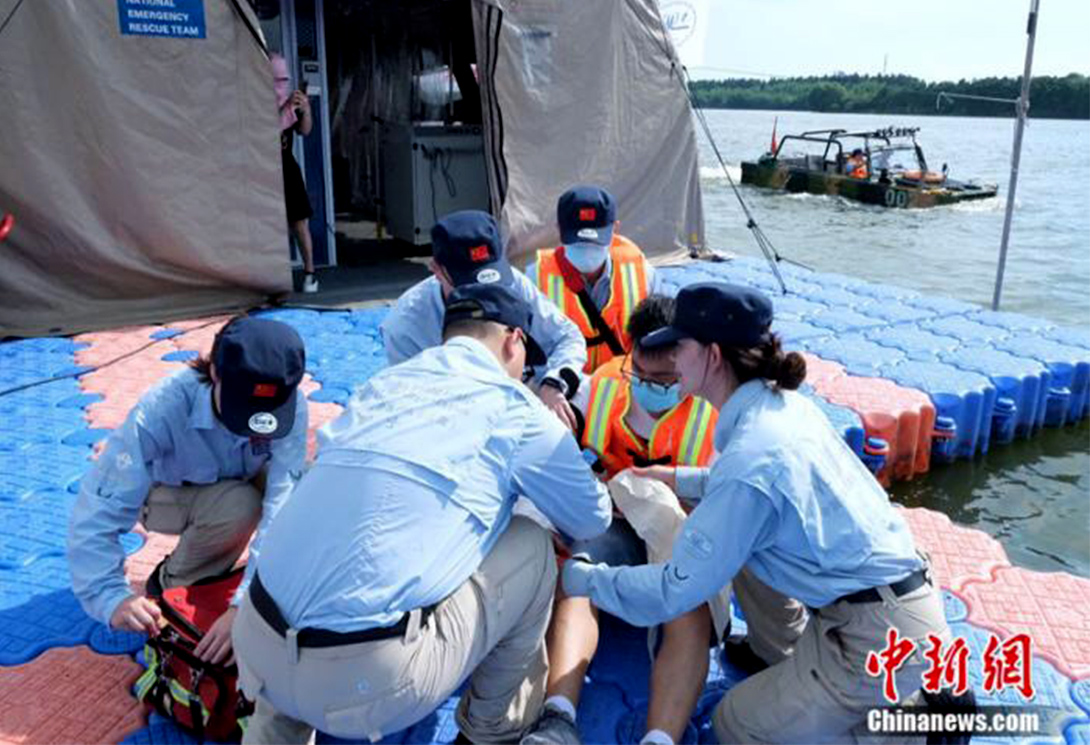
[(396, 571), (190, 460)]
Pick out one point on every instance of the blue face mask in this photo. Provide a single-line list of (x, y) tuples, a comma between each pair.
[(655, 398), (587, 259)]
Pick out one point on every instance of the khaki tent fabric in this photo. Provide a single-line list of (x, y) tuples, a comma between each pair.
[(584, 92), (144, 173)]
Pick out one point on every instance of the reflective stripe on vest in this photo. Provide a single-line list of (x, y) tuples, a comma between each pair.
[(600, 408), (696, 433)]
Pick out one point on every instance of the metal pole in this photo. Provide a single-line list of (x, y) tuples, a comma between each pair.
[(1016, 155)]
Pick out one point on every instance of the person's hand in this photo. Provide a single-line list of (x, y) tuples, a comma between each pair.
[(665, 474), (137, 613), (215, 647), (299, 100), (555, 402)]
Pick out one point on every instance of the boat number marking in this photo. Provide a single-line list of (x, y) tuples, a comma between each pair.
[(896, 198)]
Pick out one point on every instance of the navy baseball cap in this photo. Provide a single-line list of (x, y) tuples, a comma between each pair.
[(585, 216), (467, 244), (732, 315), (259, 363), (496, 303)]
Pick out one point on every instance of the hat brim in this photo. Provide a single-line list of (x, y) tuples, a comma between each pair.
[(498, 271), (248, 417), (663, 337)]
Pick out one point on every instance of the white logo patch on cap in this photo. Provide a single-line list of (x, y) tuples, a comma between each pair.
[(263, 423), (488, 276), (588, 234)]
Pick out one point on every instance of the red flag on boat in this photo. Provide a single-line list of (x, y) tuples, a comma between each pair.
[(773, 148)]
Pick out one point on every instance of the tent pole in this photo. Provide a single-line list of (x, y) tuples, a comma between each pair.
[(1016, 156)]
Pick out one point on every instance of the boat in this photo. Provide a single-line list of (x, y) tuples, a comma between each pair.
[(884, 167)]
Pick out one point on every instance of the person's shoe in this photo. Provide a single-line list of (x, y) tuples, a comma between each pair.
[(552, 728), (740, 655), (310, 284)]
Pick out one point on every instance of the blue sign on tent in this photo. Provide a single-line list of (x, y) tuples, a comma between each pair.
[(177, 19)]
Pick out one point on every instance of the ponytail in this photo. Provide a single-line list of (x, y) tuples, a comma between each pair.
[(767, 361)]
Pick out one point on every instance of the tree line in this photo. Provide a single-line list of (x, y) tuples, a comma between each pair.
[(1051, 97)]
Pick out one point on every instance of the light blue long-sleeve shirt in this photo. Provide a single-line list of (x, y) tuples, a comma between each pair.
[(416, 323), (413, 485), (171, 437), (786, 497)]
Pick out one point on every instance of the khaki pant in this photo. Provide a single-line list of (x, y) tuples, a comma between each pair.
[(774, 622), (215, 523), (491, 629), (822, 692)]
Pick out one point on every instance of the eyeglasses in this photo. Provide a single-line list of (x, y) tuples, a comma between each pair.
[(655, 385)]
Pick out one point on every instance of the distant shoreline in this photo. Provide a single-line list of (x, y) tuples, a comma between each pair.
[(1051, 97)]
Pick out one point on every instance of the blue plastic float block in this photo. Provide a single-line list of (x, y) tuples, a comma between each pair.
[(844, 420), (49, 344), (841, 321), (886, 294), (915, 343), (857, 355), (166, 333), (181, 355), (942, 306), (1071, 336), (1025, 381), (1080, 692), (954, 607), (898, 314), (38, 611), (163, 732), (40, 466), (1078, 734), (794, 334), (966, 330), (106, 640), (795, 308), (837, 298), (1070, 368), (79, 400), (1015, 324), (41, 396), (966, 397)]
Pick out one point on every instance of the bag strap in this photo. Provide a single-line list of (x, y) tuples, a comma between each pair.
[(573, 280)]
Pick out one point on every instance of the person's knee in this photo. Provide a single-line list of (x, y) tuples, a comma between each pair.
[(234, 506)]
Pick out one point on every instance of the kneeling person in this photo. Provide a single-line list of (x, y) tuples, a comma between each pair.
[(396, 570), (188, 461)]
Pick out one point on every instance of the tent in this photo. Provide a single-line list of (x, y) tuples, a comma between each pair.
[(142, 163)]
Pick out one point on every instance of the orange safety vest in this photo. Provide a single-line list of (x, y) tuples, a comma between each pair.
[(628, 288), (684, 434)]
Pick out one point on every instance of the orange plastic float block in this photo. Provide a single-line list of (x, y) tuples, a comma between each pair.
[(819, 371), (958, 555), (69, 695), (138, 566), (109, 345), (903, 417), (198, 337), (1051, 608), (319, 414)]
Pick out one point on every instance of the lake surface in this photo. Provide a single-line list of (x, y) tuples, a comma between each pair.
[(1033, 495)]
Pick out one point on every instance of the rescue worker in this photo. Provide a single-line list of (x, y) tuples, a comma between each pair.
[(856, 165), (597, 277), (634, 418), (788, 499), (396, 570), (466, 249), (189, 461)]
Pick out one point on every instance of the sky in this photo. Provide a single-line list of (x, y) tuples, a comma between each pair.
[(929, 39)]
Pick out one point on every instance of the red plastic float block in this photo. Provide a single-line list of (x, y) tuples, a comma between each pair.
[(69, 695), (138, 566), (198, 336), (903, 417), (1051, 608), (819, 371), (959, 555), (109, 345)]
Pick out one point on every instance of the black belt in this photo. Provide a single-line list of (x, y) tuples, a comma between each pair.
[(316, 638), (912, 582)]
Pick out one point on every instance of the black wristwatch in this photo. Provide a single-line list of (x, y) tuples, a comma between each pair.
[(556, 383)]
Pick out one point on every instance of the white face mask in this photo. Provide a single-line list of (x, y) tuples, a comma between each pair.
[(586, 258)]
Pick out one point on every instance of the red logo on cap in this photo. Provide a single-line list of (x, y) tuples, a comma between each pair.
[(265, 390), (478, 254), (588, 214)]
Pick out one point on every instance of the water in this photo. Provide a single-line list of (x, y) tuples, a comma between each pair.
[(1034, 496)]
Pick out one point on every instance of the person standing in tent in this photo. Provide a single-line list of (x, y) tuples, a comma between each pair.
[(597, 277), (295, 116), (787, 499), (467, 249), (635, 417), (208, 454), (396, 571)]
